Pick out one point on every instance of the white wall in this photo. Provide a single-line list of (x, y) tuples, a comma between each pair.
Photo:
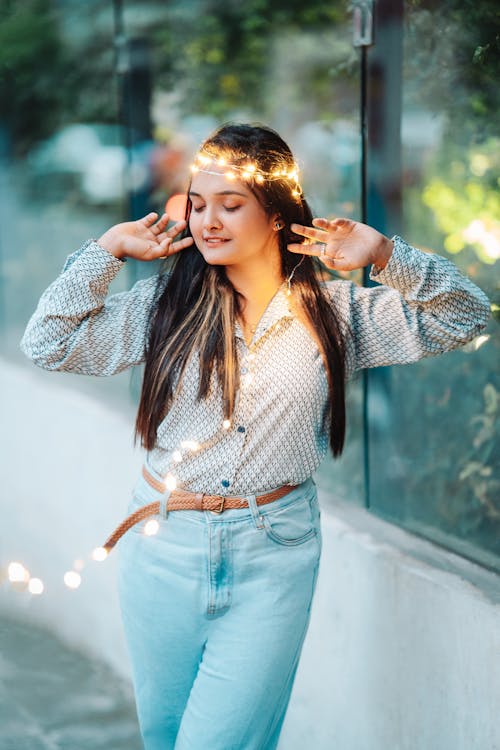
[(403, 651), (67, 470)]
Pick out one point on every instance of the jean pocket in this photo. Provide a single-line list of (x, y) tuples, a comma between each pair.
[(142, 494), (293, 524)]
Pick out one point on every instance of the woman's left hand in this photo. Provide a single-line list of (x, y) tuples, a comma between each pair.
[(343, 244)]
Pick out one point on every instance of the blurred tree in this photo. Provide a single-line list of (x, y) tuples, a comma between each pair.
[(460, 75), (216, 54), (463, 196), (49, 77), (31, 68)]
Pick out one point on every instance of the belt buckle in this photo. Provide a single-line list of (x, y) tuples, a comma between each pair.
[(221, 506)]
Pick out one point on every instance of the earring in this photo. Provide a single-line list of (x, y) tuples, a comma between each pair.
[(278, 224)]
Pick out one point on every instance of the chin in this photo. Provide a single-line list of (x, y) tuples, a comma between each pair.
[(217, 258)]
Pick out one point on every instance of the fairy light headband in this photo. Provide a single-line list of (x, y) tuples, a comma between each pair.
[(250, 171)]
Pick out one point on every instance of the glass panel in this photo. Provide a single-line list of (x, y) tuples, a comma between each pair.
[(292, 66), (69, 172), (61, 157), (434, 433)]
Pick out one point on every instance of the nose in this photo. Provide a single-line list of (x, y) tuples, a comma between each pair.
[(211, 218)]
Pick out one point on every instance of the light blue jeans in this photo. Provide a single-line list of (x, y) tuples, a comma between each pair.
[(215, 609)]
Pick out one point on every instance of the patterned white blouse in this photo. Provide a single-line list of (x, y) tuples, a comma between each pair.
[(279, 431)]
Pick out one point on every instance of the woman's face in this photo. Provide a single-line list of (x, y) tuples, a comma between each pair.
[(228, 224)]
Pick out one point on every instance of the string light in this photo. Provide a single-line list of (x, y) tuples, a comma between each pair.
[(151, 527), (208, 163), (247, 379), (190, 445), (170, 482), (99, 554), (72, 579), (35, 586), (19, 575)]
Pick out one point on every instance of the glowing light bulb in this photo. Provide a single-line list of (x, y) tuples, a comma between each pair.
[(230, 175), (247, 379), (170, 482), (177, 456), (204, 159), (17, 573), (194, 168), (295, 193), (72, 579), (99, 554), (151, 527), (226, 424), (190, 445), (221, 161), (480, 340), (35, 586), (259, 178)]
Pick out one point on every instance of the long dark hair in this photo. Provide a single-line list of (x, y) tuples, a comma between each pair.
[(197, 306)]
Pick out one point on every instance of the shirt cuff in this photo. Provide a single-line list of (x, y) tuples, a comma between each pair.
[(404, 268), (95, 253)]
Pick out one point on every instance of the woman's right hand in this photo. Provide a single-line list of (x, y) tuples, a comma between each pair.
[(144, 239)]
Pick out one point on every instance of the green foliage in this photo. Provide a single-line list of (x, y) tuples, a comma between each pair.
[(217, 54), (31, 65), (465, 199), (454, 63), (479, 469)]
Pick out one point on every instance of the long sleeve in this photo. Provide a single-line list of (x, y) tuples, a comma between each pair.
[(423, 307), (77, 328)]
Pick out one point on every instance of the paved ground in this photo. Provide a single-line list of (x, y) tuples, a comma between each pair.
[(52, 698)]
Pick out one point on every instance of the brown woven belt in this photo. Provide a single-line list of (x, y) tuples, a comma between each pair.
[(181, 500)]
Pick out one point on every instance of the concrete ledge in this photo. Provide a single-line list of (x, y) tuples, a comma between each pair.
[(403, 648), (68, 467)]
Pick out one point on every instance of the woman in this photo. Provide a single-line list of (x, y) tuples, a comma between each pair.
[(246, 354)]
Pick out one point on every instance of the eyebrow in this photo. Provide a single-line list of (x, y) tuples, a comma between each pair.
[(221, 192)]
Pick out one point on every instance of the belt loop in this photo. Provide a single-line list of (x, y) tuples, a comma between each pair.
[(257, 518), (163, 504)]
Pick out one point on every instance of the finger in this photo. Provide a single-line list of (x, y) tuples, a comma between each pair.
[(334, 225), (162, 223), (317, 235), (168, 247), (178, 227), (148, 220), (181, 244), (173, 231), (304, 248)]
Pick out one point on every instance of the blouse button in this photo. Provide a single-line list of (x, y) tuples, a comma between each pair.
[(241, 428), (225, 482)]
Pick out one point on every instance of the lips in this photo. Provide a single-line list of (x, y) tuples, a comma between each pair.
[(213, 241)]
